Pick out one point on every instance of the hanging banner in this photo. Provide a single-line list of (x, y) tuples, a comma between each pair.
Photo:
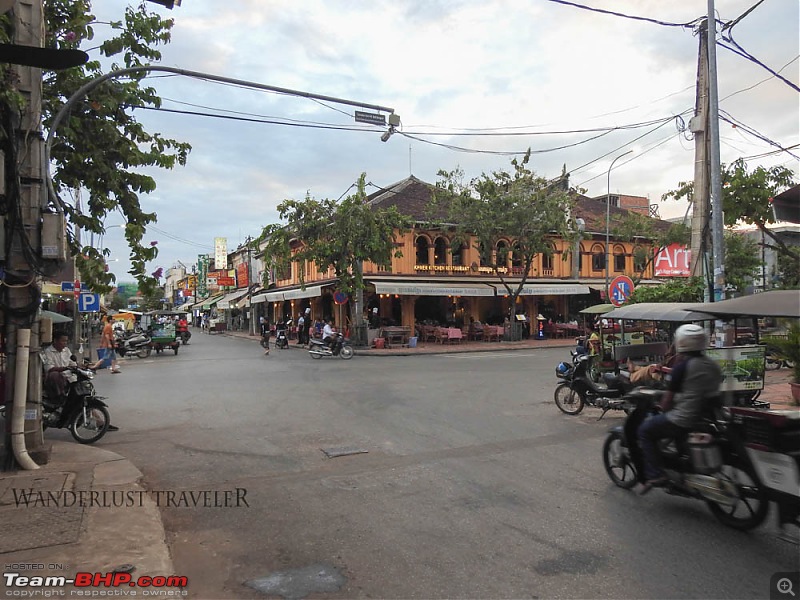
[(242, 280)]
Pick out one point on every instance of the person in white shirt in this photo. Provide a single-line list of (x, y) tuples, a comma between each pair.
[(57, 362), (328, 332)]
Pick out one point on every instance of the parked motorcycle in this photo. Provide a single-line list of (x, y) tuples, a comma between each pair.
[(775, 360), (136, 342), (710, 464), (577, 388), (81, 410), (338, 346)]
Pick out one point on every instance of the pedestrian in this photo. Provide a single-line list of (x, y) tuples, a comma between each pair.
[(265, 335), (107, 345), (262, 322), (301, 328), (307, 326)]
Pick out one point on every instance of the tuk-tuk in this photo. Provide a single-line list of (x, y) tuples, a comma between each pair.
[(163, 335)]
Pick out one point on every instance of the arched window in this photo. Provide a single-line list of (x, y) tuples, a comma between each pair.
[(422, 250), (459, 254), (440, 251), (598, 258), (547, 260), (502, 253), (619, 259)]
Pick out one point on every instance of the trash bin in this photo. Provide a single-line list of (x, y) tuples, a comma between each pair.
[(379, 342), (412, 342)]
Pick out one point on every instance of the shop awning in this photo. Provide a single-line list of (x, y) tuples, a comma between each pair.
[(433, 289), (211, 302), (230, 299), (258, 299), (274, 297), (552, 289), (310, 292)]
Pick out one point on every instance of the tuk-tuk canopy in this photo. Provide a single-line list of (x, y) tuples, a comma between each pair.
[(661, 311), (775, 303)]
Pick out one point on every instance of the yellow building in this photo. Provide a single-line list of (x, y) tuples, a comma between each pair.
[(434, 282)]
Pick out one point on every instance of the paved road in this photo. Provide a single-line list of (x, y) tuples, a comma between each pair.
[(473, 484)]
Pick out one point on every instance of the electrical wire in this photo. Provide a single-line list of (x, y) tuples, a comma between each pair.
[(618, 14), (747, 89), (179, 239), (725, 116)]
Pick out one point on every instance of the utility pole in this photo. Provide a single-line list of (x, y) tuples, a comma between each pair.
[(717, 223), (23, 294), (698, 126)]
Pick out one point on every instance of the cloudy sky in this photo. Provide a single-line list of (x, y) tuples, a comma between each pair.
[(521, 74)]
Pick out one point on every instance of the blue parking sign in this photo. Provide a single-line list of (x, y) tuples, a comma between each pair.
[(89, 303)]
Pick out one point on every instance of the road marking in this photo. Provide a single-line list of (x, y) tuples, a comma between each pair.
[(478, 355)]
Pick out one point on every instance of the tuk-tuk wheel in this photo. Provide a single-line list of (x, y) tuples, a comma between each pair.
[(176, 349)]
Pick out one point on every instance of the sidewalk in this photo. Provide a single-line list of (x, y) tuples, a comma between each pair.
[(62, 536)]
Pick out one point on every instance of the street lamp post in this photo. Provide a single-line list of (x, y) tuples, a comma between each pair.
[(608, 217)]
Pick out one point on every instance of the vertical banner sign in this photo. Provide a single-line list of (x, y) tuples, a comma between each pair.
[(242, 280), (221, 254), (202, 271)]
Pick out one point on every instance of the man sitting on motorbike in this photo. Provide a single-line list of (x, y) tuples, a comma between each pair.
[(57, 362), (695, 380), (328, 333)]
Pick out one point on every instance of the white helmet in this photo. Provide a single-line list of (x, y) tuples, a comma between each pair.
[(691, 338)]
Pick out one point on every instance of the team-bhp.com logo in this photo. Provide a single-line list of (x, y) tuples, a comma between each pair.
[(90, 584)]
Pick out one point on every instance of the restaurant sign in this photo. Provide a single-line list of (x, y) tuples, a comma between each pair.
[(432, 289)]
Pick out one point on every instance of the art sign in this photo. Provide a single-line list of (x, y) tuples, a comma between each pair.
[(673, 261)]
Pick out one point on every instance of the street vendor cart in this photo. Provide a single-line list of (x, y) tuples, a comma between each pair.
[(162, 333)]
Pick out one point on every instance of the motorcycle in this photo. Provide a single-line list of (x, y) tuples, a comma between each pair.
[(711, 463), (281, 338), (578, 389), (136, 342), (80, 410), (183, 332), (338, 346)]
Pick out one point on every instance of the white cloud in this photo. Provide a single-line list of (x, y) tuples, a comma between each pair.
[(445, 65)]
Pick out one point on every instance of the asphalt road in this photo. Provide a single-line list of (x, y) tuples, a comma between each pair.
[(473, 484)]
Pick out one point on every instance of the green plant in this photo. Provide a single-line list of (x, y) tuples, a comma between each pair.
[(789, 348)]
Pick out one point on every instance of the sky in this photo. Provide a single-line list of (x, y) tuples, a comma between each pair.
[(523, 74)]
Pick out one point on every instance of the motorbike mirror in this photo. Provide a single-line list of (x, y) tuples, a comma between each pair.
[(72, 358)]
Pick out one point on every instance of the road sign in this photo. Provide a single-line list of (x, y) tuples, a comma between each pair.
[(620, 290), (68, 286), (339, 297), (89, 303), (371, 118)]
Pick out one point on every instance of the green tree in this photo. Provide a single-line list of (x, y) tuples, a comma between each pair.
[(518, 207), (788, 272), (742, 258), (101, 148), (339, 235), (747, 196)]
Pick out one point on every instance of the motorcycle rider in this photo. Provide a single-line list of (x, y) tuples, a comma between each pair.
[(695, 380), (328, 333), (58, 361)]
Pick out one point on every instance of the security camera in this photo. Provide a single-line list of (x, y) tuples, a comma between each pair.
[(387, 134)]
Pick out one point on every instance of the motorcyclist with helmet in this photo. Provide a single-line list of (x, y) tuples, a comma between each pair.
[(694, 383)]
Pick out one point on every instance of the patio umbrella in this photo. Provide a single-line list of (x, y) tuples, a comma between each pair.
[(55, 317)]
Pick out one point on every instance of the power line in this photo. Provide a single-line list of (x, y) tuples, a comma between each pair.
[(747, 89), (618, 14), (179, 239)]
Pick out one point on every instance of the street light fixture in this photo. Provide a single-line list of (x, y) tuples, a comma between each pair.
[(608, 217)]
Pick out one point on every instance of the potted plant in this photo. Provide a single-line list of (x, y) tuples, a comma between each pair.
[(789, 349)]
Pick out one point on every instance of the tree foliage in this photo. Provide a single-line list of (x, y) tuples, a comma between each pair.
[(675, 290), (338, 235), (742, 258), (747, 196), (516, 207), (101, 148)]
